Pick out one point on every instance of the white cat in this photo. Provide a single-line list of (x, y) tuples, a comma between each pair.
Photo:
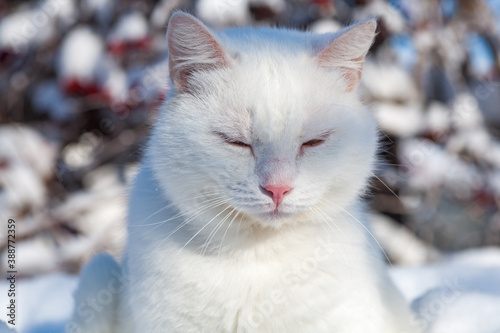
[(245, 215)]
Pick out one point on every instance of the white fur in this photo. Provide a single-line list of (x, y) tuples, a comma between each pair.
[(207, 252), (97, 297)]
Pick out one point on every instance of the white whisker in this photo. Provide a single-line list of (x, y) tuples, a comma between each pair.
[(192, 217), (172, 205), (364, 227), (225, 232), (180, 214), (380, 180), (345, 253), (214, 232), (202, 228)]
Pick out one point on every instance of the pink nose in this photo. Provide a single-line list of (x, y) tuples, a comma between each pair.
[(276, 193)]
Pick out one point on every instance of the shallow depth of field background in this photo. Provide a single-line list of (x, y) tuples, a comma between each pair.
[(81, 83)]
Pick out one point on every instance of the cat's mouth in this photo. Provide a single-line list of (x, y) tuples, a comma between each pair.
[(277, 213)]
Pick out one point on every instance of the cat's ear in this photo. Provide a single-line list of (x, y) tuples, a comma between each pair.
[(192, 47), (347, 51)]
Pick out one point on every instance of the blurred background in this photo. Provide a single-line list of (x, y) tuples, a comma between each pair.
[(81, 82)]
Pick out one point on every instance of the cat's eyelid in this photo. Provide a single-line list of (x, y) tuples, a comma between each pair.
[(228, 139), (322, 137), (318, 140), (326, 134), (313, 142)]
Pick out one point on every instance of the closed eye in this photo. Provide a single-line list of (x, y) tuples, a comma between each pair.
[(239, 143), (232, 141), (318, 141), (313, 143)]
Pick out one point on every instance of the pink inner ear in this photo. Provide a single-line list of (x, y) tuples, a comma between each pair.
[(347, 52), (352, 74), (192, 48)]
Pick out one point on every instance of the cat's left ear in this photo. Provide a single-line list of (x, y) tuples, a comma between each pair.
[(347, 51), (192, 47)]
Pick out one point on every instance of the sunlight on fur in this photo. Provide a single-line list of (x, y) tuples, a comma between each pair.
[(246, 213)]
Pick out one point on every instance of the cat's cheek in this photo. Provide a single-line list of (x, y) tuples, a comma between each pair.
[(236, 160), (245, 152)]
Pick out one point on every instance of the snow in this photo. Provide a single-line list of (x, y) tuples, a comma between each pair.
[(438, 118), (460, 294), (79, 154), (18, 31), (27, 160), (220, 13), (44, 303), (38, 255), (65, 11), (385, 12), (81, 52), (399, 243), (116, 83), (162, 11), (467, 114), (388, 82), (132, 26), (325, 26), (223, 12), (35, 26), (430, 166), (400, 120)]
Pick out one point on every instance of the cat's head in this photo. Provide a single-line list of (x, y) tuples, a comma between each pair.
[(265, 122)]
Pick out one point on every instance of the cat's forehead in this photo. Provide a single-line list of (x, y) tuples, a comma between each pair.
[(277, 100), (275, 84)]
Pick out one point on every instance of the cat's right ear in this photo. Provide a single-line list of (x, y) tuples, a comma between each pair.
[(347, 51), (192, 47)]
